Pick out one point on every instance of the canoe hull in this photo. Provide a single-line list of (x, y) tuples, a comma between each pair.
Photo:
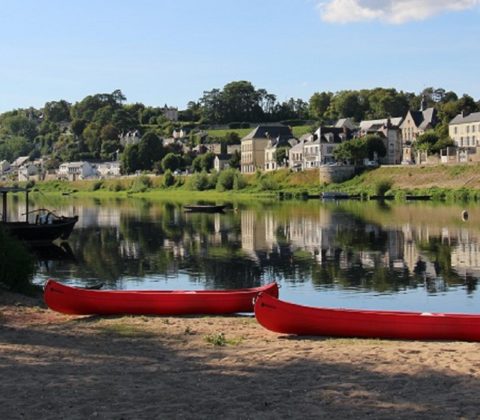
[(78, 301), (288, 318)]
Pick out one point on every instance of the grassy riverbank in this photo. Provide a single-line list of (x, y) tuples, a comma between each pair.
[(441, 182)]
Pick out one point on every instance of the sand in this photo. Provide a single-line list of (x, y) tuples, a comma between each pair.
[(68, 367)]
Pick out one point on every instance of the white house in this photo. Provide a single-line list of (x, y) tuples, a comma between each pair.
[(221, 161), (4, 167), (130, 138), (76, 170), (108, 169), (26, 171), (389, 130)]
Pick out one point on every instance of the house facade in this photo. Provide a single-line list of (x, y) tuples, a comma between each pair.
[(271, 150), (464, 130), (414, 124), (253, 146), (389, 130), (75, 170)]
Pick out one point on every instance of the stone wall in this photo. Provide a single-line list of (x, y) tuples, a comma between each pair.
[(336, 173)]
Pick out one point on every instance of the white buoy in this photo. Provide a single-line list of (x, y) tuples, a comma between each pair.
[(464, 215)]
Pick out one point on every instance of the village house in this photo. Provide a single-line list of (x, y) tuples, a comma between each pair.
[(273, 146), (170, 113), (253, 145), (130, 138), (221, 161), (389, 130), (464, 130), (328, 139), (107, 169), (414, 124), (4, 167), (295, 154), (75, 170)]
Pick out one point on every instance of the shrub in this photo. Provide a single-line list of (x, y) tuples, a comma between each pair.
[(17, 267), (226, 180), (168, 178), (141, 184), (97, 185), (383, 186)]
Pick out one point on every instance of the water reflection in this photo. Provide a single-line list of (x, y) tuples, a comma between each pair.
[(378, 248)]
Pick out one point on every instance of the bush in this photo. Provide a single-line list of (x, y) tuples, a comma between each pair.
[(17, 267), (199, 181), (141, 184), (97, 185), (383, 186), (226, 180), (168, 178)]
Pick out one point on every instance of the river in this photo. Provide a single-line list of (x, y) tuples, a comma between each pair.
[(418, 256)]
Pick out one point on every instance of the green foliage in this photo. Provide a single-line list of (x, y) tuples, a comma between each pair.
[(200, 181), (168, 178), (217, 339), (230, 179), (171, 162), (141, 184), (17, 267), (97, 185), (382, 186)]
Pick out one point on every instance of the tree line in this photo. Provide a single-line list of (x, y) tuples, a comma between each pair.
[(90, 129)]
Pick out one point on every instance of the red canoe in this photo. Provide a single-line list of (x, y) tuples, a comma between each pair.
[(78, 301), (288, 318)]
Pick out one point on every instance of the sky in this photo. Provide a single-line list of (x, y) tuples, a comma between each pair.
[(161, 52)]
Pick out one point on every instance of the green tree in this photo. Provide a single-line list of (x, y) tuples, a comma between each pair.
[(319, 103), (374, 146), (171, 162)]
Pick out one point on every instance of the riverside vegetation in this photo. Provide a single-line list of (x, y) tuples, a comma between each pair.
[(441, 182)]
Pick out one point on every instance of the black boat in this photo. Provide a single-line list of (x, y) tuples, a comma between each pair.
[(205, 208), (46, 227)]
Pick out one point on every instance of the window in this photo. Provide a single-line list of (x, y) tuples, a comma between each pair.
[(455, 130)]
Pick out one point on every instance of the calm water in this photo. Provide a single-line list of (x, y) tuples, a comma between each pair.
[(413, 256)]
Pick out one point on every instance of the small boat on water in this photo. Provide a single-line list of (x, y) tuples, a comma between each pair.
[(204, 208), (46, 226), (80, 301), (289, 318)]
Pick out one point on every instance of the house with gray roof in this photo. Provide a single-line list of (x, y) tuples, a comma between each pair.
[(415, 124), (464, 130), (253, 145)]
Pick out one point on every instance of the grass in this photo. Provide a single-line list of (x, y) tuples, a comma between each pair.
[(219, 339), (126, 330)]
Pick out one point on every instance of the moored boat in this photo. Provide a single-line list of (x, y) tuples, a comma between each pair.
[(46, 226), (204, 208), (289, 318), (79, 301)]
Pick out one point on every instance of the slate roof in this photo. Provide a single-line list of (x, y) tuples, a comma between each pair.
[(425, 119), (470, 118), (269, 131)]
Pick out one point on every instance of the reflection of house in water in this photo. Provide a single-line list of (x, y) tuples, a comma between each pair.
[(258, 232)]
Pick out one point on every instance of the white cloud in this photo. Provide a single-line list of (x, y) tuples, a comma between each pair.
[(391, 11)]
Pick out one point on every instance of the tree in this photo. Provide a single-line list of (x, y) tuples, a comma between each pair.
[(150, 150), (171, 162), (374, 146), (57, 111), (319, 103), (281, 156), (351, 150), (426, 141), (130, 159)]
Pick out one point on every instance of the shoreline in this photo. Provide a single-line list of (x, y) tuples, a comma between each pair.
[(57, 366)]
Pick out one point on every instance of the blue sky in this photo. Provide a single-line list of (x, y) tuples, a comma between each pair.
[(170, 51)]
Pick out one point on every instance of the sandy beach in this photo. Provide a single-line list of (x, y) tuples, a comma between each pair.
[(54, 366)]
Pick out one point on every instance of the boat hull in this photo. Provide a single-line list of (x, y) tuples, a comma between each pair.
[(204, 208), (288, 318), (35, 232), (78, 301)]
